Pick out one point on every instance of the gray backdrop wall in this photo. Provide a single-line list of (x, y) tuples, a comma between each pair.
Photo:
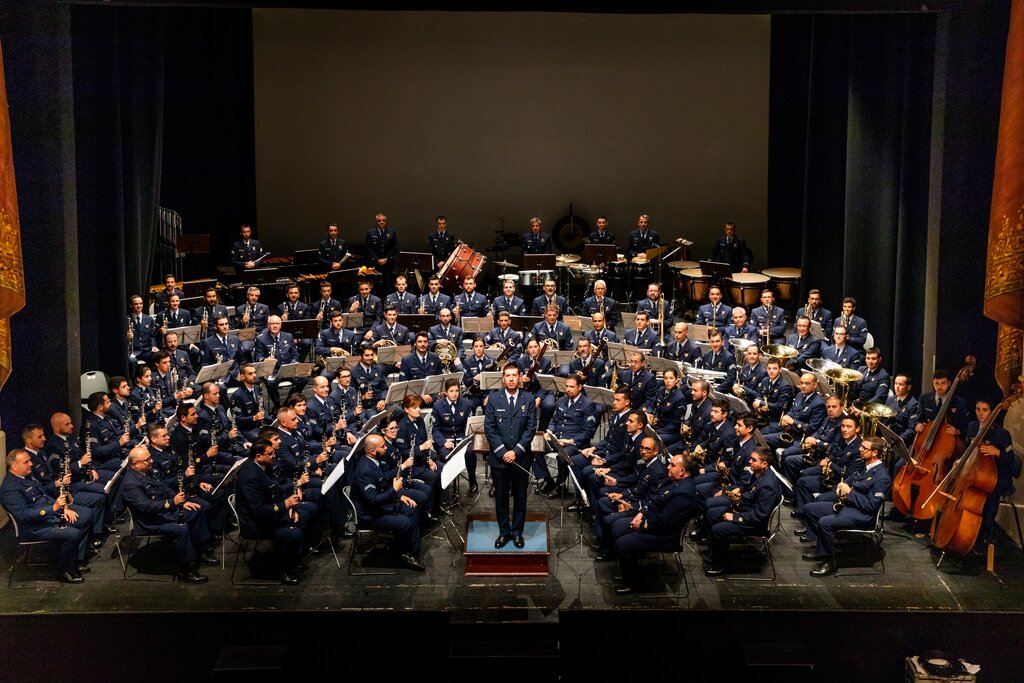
[(487, 115)]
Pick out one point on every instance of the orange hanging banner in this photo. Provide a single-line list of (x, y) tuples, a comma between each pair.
[(1004, 276), (12, 271)]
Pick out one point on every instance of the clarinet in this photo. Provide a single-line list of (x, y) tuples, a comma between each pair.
[(193, 485), (181, 487), (87, 469), (65, 489)]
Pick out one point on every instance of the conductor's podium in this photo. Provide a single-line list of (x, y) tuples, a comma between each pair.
[(483, 559)]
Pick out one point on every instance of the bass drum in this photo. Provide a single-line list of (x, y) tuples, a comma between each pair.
[(464, 262)]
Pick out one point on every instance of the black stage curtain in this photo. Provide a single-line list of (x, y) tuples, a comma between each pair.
[(163, 117), (848, 166), (118, 68)]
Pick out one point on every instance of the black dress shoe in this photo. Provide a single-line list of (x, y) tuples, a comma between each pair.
[(209, 558), (501, 541), (69, 577), (556, 492), (575, 507), (83, 569), (618, 579), (110, 529), (432, 518), (548, 487), (802, 531), (96, 543), (289, 579), (714, 571), (345, 532), (825, 569), (412, 563), (814, 556), (490, 492), (473, 487), (806, 539), (519, 542), (625, 590), (789, 502), (796, 514), (190, 575), (604, 555)]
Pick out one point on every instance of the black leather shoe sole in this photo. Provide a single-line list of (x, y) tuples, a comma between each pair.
[(714, 572), (192, 577), (68, 577), (412, 563), (814, 557), (826, 569)]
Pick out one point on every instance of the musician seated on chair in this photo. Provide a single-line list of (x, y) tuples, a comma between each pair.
[(421, 363), (446, 331), (680, 347), (642, 336), (369, 305), (390, 330), (404, 300), (718, 358), (769, 317), (270, 509), (600, 303), (474, 364), (326, 305), (508, 301), (714, 313), (874, 387), (160, 510), (997, 444), (747, 517), (641, 382), (618, 502), (161, 300), (858, 498), (856, 327), (470, 303), (654, 307), (658, 523), (600, 333), (552, 328), (381, 505), (803, 341), (814, 311), (841, 352), (804, 416), (573, 425), (740, 327), (334, 341), (450, 415), (841, 461), (39, 512), (142, 332), (434, 300), (549, 298), (815, 448), (587, 364)]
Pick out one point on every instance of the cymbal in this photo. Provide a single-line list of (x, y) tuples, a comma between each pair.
[(565, 259), (504, 264)]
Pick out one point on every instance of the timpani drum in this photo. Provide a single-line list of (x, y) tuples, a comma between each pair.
[(745, 289), (680, 289), (697, 284), (785, 282), (464, 262)]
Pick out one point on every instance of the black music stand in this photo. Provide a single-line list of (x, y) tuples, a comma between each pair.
[(718, 271), (302, 329), (196, 287), (524, 323), (193, 245), (539, 262), (422, 261), (416, 322), (260, 276), (306, 257), (599, 253)]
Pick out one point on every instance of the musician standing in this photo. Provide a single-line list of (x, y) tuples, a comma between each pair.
[(814, 311), (441, 243), (332, 249), (535, 241), (732, 250), (600, 234), (510, 423), (381, 249), (643, 238), (245, 251)]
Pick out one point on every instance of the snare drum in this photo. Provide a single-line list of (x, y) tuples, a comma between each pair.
[(745, 289), (464, 262), (785, 281), (534, 278), (696, 284)]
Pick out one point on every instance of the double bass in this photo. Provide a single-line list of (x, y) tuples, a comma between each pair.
[(934, 448), (965, 489)]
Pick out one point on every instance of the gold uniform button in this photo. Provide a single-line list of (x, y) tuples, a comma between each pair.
[(42, 513), (276, 508), (166, 505)]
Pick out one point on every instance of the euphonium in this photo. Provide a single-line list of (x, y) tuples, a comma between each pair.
[(786, 435), (808, 453)]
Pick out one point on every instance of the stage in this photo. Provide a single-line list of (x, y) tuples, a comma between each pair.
[(569, 623)]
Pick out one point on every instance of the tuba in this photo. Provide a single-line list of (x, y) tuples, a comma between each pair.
[(870, 414), (841, 379)]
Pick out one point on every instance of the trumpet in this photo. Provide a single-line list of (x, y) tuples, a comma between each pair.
[(808, 453), (423, 305), (131, 331), (786, 435), (830, 476), (841, 502)]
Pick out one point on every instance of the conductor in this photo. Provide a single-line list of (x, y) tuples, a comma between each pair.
[(510, 423)]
